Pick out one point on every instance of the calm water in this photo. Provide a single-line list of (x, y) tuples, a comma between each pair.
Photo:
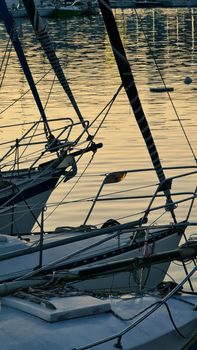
[(160, 42)]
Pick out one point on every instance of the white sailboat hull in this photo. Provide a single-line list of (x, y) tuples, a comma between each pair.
[(24, 194), (21, 217), (127, 281), (109, 251), (10, 3), (43, 11)]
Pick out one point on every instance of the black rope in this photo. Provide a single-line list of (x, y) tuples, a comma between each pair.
[(173, 323), (119, 336)]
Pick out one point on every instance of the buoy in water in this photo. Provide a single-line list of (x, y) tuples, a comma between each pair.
[(188, 80)]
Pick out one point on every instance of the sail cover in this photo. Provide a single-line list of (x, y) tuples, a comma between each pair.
[(129, 85), (40, 29), (132, 93), (10, 27)]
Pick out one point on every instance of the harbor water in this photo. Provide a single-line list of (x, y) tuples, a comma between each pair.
[(161, 45)]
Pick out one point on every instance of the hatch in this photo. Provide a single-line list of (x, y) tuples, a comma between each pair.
[(58, 308)]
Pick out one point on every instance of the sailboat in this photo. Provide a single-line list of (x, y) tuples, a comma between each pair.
[(55, 313), (25, 191), (76, 8), (17, 9), (73, 9), (81, 248)]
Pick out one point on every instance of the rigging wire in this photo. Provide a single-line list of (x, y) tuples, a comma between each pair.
[(71, 189), (25, 93), (7, 60), (85, 199), (108, 106), (45, 106), (163, 81)]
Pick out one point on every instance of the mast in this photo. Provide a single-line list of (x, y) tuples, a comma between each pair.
[(132, 94), (40, 29), (10, 27)]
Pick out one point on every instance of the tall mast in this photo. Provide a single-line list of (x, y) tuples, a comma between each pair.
[(10, 27), (132, 93), (40, 29)]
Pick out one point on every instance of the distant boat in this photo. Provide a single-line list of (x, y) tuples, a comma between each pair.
[(76, 8), (45, 8), (44, 12), (152, 3), (68, 10), (184, 3), (122, 3), (149, 3), (10, 3)]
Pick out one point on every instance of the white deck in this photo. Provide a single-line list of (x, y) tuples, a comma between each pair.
[(20, 329)]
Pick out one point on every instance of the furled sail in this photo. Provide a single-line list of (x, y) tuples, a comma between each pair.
[(132, 93), (40, 29), (10, 27)]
